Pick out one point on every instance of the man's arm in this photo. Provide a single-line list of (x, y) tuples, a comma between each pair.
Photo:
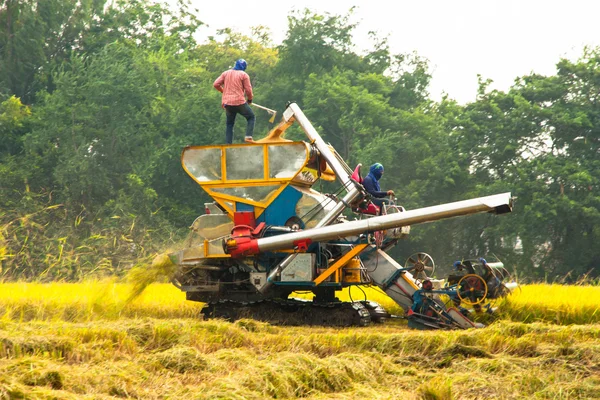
[(219, 82), (248, 88)]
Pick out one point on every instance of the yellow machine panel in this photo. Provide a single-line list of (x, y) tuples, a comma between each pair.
[(351, 271)]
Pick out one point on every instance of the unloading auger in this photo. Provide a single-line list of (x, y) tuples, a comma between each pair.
[(269, 234)]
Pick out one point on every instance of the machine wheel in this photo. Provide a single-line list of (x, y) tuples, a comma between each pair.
[(295, 223), (472, 289), (421, 266)]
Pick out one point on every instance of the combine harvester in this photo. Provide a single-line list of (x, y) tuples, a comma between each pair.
[(269, 234)]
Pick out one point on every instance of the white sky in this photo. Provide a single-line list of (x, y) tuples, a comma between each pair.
[(499, 39)]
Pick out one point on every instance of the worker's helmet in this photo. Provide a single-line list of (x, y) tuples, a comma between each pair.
[(457, 265), (240, 64), (427, 284)]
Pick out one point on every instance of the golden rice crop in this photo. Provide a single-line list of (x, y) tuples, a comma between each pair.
[(91, 300), (561, 304), (109, 299), (187, 358), (85, 340)]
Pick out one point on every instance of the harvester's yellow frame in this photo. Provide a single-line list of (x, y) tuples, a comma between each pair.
[(228, 202)]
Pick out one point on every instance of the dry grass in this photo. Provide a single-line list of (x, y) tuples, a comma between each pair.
[(74, 341)]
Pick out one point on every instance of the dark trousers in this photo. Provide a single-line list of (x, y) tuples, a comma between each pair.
[(231, 112)]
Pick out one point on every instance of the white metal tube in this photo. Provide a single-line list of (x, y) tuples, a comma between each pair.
[(320, 144), (499, 203), (329, 156)]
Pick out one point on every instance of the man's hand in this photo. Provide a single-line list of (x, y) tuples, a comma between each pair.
[(249, 101), (218, 86)]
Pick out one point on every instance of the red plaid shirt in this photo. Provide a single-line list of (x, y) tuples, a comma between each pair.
[(234, 84)]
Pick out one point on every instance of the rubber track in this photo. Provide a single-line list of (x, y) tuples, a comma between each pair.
[(291, 312)]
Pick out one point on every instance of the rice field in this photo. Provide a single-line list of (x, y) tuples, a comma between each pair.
[(92, 341)]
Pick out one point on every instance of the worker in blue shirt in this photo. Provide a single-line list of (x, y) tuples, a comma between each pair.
[(371, 185)]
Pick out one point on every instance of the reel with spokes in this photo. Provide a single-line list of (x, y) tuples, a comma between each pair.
[(472, 289), (421, 266)]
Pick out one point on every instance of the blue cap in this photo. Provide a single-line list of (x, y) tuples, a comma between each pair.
[(240, 65), (457, 264), (482, 260)]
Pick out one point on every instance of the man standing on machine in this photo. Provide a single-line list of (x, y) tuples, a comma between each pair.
[(235, 86)]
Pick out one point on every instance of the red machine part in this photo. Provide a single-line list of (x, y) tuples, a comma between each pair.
[(244, 243), (302, 245), (244, 218), (243, 237), (242, 247), (356, 174)]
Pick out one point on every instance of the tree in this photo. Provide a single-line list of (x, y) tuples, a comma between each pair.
[(38, 36), (13, 118), (540, 141), (14, 123)]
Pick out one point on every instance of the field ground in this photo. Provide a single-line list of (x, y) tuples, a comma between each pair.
[(85, 341)]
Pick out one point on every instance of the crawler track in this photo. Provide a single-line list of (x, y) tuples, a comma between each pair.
[(292, 312)]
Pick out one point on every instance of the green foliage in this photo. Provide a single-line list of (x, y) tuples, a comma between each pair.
[(37, 37), (46, 241), (14, 117), (541, 140), (316, 43)]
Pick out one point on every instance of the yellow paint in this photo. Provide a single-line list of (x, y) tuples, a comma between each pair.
[(410, 282), (351, 271), (342, 261), (328, 175), (259, 206), (276, 134), (223, 204), (467, 300)]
